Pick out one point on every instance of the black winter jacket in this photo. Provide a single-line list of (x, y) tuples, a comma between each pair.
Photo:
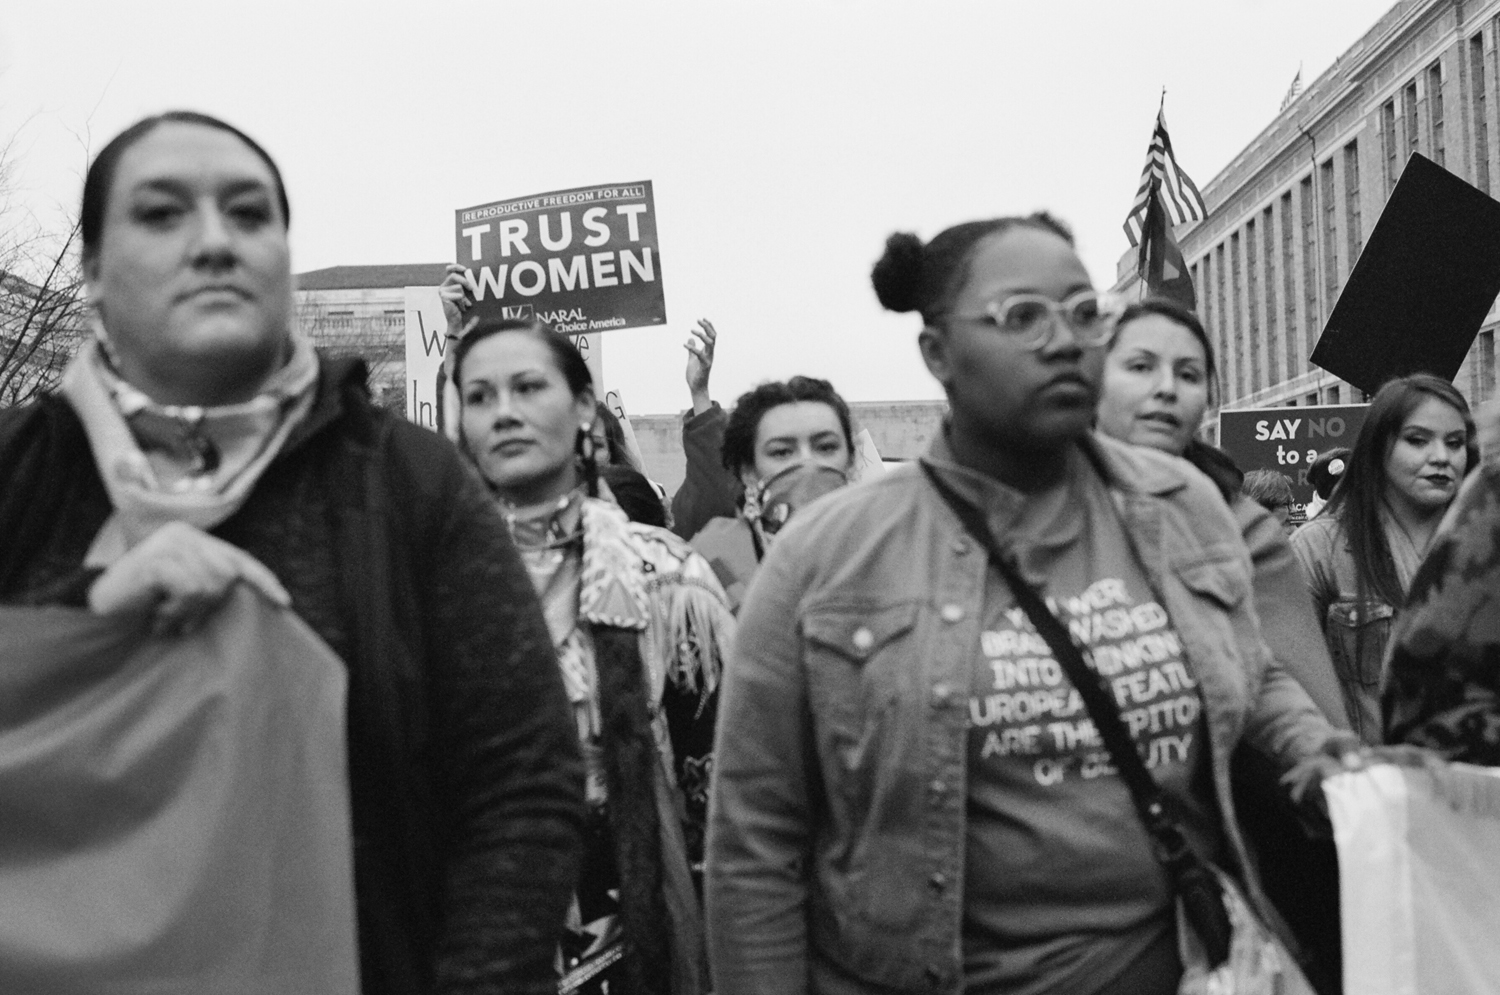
[(464, 766)]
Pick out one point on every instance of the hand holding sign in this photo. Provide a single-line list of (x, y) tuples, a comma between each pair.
[(457, 293), (700, 364)]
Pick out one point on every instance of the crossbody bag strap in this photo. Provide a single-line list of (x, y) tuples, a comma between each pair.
[(1096, 695), (1196, 884)]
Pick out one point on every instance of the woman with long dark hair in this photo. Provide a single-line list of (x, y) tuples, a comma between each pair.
[(640, 627), (910, 794), (1360, 554)]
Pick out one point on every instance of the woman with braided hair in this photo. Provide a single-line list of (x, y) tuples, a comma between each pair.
[(640, 626)]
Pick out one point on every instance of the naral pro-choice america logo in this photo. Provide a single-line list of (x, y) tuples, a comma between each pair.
[(583, 260)]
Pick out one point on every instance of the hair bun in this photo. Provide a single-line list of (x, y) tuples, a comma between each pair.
[(897, 275)]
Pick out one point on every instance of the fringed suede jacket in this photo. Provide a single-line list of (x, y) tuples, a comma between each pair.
[(641, 628)]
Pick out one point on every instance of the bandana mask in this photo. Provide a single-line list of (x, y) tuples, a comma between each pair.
[(771, 504)]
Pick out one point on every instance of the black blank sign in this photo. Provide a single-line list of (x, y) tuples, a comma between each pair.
[(1422, 285)]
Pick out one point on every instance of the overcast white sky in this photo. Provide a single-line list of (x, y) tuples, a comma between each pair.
[(785, 139)]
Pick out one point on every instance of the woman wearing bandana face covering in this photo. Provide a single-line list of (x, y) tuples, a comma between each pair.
[(789, 443), (200, 444)]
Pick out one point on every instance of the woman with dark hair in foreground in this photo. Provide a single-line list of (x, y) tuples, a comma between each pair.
[(199, 442)]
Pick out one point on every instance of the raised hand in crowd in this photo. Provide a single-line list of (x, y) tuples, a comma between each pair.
[(457, 292), (182, 574), (700, 364), (708, 491)]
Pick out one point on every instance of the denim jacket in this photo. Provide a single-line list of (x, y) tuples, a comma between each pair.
[(1356, 630), (837, 820)]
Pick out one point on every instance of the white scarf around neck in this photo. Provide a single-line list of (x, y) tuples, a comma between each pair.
[(245, 438)]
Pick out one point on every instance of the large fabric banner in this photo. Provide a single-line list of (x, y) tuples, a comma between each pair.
[(582, 260), (1419, 879), (174, 812)]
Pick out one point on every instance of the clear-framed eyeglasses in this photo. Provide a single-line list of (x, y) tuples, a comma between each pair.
[(1030, 318)]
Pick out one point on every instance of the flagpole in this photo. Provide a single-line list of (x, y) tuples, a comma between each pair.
[(1309, 339), (1317, 225), (1162, 182)]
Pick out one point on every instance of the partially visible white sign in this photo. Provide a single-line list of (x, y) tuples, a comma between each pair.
[(616, 404), (431, 401), (590, 346)]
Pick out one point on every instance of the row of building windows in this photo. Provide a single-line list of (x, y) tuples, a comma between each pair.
[(1262, 327)]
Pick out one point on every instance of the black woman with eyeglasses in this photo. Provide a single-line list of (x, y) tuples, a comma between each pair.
[(911, 792)]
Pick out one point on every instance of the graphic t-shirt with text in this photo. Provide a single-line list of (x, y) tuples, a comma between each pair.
[(1062, 889)]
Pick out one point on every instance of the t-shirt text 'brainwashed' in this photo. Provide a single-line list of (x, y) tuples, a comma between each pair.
[(1032, 709)]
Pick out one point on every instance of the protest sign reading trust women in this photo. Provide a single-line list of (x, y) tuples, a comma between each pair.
[(583, 260)]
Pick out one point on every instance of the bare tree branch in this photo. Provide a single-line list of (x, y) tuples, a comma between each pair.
[(42, 307), (40, 322)]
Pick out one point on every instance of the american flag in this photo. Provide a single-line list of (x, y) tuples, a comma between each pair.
[(1179, 195), (1292, 91)]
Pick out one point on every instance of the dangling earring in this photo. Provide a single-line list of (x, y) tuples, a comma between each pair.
[(750, 509), (586, 454), (585, 446)]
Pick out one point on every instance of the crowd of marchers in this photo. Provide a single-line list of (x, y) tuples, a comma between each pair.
[(785, 730)]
